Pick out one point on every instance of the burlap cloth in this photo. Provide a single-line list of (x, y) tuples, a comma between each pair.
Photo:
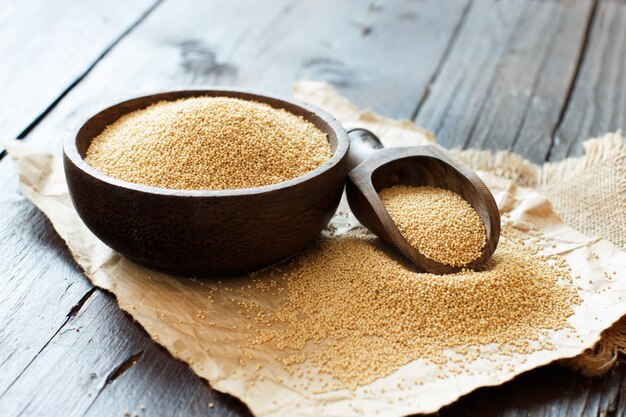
[(195, 321)]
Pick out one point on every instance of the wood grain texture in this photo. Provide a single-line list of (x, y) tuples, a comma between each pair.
[(45, 380), (546, 392), (128, 371), (188, 51), (285, 42), (39, 282), (382, 55), (508, 75), (598, 100), (35, 72), (46, 48), (162, 386)]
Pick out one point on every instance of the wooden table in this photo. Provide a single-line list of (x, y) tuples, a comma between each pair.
[(537, 77)]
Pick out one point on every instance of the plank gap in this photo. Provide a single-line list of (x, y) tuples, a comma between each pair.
[(536, 82), (581, 57), (74, 310), (123, 367), (443, 60), (69, 317)]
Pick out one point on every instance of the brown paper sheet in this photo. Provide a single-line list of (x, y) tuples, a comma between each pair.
[(179, 314), (588, 192)]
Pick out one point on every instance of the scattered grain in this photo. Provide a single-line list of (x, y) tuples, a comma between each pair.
[(357, 313)]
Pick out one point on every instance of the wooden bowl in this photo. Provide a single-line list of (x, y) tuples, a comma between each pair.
[(198, 232)]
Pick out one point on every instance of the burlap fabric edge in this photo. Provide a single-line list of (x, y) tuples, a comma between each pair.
[(589, 193)]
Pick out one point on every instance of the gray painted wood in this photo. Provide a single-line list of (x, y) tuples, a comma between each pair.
[(507, 77), (109, 365), (598, 101), (546, 392), (206, 54), (39, 283), (102, 338), (46, 48), (161, 386), (287, 41), (35, 72), (87, 351)]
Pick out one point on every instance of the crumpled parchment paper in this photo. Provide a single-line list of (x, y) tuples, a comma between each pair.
[(179, 314)]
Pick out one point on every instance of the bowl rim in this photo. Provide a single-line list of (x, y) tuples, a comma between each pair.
[(70, 150)]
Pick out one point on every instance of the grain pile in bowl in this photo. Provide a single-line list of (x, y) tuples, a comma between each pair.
[(352, 312), (439, 223), (208, 143)]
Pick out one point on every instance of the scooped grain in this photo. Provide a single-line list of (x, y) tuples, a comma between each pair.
[(356, 313), (210, 143), (439, 223)]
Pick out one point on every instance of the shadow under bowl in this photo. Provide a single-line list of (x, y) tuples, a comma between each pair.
[(204, 232)]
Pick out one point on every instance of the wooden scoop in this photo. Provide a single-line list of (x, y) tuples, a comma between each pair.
[(373, 168)]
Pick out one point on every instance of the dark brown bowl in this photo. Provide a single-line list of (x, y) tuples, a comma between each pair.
[(198, 232)]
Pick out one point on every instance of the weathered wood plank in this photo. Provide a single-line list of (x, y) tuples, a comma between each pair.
[(27, 245), (508, 76), (34, 260), (44, 49), (36, 71), (598, 100), (162, 385), (126, 371), (456, 95), (548, 391), (357, 47), (89, 336), (188, 51), (285, 42)]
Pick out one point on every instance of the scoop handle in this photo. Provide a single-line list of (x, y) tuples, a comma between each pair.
[(363, 144)]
